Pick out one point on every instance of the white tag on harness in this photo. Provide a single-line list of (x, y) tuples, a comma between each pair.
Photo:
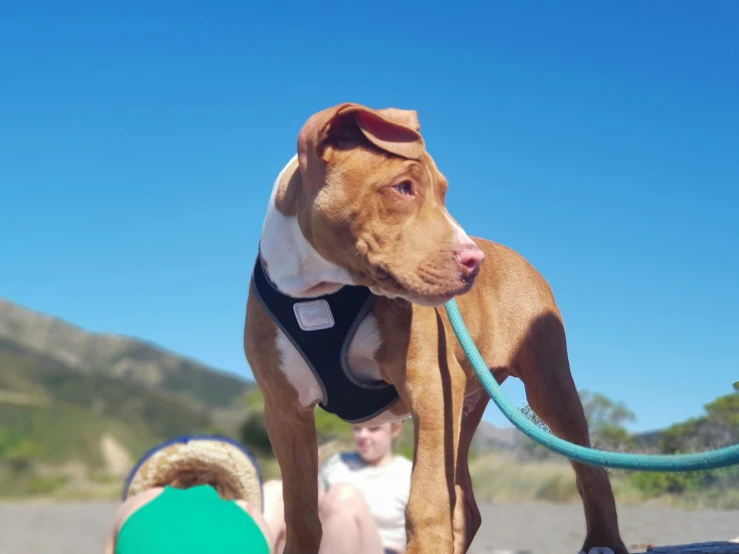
[(313, 315)]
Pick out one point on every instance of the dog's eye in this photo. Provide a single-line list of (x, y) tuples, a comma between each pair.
[(405, 188)]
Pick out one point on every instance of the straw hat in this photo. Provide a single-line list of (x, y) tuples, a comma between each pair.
[(161, 465)]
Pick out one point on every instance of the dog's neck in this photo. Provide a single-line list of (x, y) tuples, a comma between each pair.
[(292, 264)]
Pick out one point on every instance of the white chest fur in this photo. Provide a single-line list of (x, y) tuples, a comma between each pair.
[(294, 266)]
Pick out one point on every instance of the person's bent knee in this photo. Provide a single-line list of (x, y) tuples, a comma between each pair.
[(345, 493), (343, 498)]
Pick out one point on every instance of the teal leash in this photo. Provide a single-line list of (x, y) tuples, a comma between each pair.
[(644, 462)]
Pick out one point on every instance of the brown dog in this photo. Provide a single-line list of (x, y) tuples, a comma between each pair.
[(357, 256)]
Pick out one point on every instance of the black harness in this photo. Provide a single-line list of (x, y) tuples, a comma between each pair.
[(321, 329)]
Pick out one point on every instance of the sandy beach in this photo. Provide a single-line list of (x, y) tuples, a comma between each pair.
[(79, 528)]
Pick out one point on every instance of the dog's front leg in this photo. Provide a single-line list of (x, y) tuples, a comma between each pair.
[(291, 429), (292, 432), (428, 524), (467, 519), (434, 393)]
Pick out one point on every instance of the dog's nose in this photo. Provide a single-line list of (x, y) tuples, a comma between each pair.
[(470, 260)]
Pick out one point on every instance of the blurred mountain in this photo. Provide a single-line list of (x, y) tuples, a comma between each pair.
[(74, 403), (132, 360)]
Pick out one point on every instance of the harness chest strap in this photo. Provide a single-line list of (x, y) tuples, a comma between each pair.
[(321, 329)]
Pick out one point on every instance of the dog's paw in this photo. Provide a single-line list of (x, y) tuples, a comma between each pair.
[(599, 550)]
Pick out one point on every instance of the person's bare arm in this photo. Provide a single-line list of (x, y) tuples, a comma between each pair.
[(109, 547), (123, 512), (258, 519)]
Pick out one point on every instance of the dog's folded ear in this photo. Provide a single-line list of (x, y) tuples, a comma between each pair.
[(392, 135), (407, 118), (390, 129)]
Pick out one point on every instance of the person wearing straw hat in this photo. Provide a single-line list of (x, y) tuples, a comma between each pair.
[(199, 494)]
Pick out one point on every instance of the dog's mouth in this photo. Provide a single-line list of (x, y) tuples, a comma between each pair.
[(416, 290), (383, 276)]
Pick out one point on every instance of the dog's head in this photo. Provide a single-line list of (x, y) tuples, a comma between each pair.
[(372, 202)]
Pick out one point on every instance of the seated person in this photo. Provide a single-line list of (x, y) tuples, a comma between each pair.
[(362, 497), (193, 495)]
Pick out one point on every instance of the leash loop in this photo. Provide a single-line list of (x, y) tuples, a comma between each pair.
[(643, 462)]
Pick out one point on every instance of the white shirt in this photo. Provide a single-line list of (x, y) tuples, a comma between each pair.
[(385, 489)]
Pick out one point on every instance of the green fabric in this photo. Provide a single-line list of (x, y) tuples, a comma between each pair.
[(190, 521)]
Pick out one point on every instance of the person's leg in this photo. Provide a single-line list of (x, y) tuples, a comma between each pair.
[(274, 513), (348, 526), (124, 511)]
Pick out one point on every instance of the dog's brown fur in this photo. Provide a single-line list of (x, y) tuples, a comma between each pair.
[(340, 194)]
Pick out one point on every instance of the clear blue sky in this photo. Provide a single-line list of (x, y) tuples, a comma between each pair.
[(139, 142)]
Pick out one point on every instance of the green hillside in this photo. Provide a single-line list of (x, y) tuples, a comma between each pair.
[(56, 387), (76, 406), (131, 360), (52, 415)]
